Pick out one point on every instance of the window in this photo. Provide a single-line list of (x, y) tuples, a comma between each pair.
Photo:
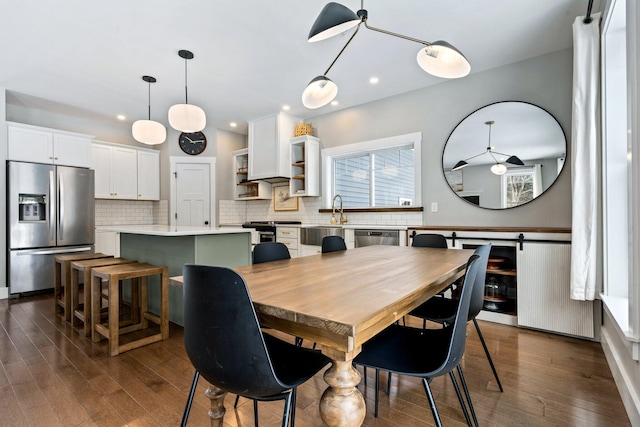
[(520, 186), (380, 173)]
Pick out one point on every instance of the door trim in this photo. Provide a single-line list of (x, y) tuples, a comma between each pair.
[(173, 162)]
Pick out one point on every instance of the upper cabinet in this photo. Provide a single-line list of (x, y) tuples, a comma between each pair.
[(269, 146), (43, 145), (243, 188), (123, 172), (305, 166)]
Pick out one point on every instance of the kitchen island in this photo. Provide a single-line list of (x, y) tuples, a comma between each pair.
[(175, 246)]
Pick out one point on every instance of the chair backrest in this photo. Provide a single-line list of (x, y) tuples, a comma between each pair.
[(429, 241), (477, 298), (459, 328), (222, 335), (333, 244), (270, 251)]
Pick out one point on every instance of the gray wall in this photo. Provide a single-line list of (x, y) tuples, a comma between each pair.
[(545, 81)]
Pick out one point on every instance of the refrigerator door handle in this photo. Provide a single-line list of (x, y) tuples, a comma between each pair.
[(61, 207), (52, 251), (52, 205)]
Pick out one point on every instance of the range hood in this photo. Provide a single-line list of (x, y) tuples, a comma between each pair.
[(275, 179)]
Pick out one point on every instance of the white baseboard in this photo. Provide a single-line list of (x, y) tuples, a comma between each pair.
[(4, 292), (624, 381)]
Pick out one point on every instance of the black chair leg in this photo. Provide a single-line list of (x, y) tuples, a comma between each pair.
[(235, 404), (377, 393), (466, 393), (432, 402), (299, 341), (255, 412), (388, 383), (486, 351), (192, 391), (460, 399), (294, 396)]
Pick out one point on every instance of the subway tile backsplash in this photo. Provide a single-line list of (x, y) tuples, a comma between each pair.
[(119, 212), (239, 211)]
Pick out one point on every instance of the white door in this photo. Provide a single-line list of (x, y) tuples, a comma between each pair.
[(193, 194)]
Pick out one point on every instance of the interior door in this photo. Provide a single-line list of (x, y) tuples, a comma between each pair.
[(193, 194)]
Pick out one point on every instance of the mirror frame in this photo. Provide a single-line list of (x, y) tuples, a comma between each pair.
[(566, 147)]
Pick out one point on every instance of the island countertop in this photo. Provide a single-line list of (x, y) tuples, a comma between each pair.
[(168, 230)]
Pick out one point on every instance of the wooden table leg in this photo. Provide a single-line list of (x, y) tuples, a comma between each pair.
[(342, 403), (216, 413)]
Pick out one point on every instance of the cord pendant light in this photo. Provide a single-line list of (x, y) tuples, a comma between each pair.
[(439, 58), (186, 117), (148, 131), (498, 168)]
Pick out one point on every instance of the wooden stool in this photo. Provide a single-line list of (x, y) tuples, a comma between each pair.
[(138, 272), (62, 265), (82, 311)]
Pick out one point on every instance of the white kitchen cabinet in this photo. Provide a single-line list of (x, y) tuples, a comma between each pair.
[(306, 250), (43, 145), (243, 188), (535, 276), (305, 166), (108, 243), (116, 171), (148, 175), (269, 146), (290, 236)]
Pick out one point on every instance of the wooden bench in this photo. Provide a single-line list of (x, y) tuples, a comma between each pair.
[(112, 276), (62, 265), (82, 311)]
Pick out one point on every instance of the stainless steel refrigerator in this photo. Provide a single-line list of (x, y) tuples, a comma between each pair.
[(51, 211)]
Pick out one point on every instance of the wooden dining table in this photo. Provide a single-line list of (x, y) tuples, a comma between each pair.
[(339, 300)]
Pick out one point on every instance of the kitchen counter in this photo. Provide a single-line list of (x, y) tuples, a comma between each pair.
[(352, 226), (167, 230)]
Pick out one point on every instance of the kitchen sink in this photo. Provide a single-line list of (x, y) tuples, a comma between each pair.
[(313, 235)]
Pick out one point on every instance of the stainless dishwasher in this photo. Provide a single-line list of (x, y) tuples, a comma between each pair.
[(376, 237)]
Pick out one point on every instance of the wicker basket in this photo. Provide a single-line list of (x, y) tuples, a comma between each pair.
[(303, 129)]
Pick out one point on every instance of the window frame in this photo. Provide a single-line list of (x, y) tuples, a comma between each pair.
[(367, 147)]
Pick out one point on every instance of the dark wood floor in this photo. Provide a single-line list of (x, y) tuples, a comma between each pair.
[(53, 376)]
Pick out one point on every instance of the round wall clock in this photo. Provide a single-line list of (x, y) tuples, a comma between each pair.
[(192, 143)]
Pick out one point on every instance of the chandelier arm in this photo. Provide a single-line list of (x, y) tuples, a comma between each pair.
[(477, 155), (502, 154), (380, 30), (342, 50), (494, 157)]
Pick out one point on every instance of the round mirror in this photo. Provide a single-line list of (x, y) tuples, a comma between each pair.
[(504, 155)]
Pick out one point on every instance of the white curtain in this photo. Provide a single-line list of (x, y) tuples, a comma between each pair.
[(584, 159)]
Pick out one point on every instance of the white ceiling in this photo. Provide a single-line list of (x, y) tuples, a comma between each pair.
[(87, 57)]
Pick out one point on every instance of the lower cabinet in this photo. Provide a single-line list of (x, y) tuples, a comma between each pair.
[(528, 279), (290, 237), (306, 250), (108, 243)]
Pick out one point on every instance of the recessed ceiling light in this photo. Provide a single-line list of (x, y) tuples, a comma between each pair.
[(233, 124), (334, 103), (286, 107), (121, 117), (373, 80)]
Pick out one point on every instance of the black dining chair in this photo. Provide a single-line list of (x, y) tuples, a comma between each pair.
[(443, 310), (333, 244), (226, 346), (270, 251), (425, 353), (429, 241)]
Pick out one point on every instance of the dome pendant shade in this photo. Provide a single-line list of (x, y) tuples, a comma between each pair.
[(187, 118), (443, 60), (333, 19), (499, 169), (319, 92), (514, 160), (149, 132)]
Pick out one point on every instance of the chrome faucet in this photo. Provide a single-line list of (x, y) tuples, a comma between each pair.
[(343, 219)]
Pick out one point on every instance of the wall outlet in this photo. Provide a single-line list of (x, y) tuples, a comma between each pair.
[(434, 206)]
